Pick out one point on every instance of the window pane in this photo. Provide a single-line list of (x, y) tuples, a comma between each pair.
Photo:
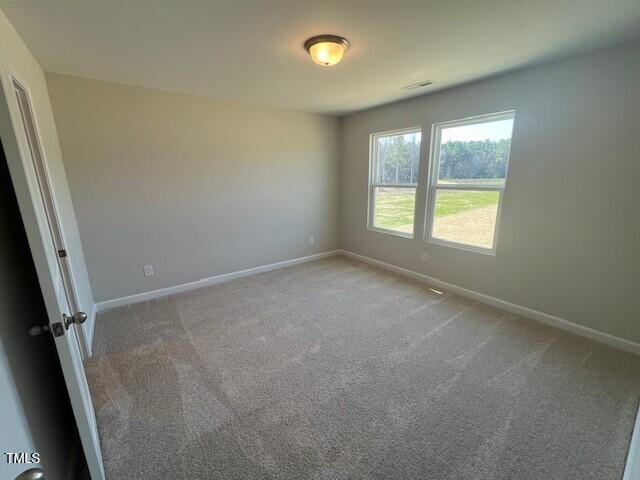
[(394, 209), (397, 158), (466, 216), (475, 154)]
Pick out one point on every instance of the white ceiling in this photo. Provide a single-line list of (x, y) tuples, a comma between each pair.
[(251, 50)]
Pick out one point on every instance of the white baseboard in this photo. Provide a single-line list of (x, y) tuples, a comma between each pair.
[(546, 318), (632, 468), (552, 320), (204, 282)]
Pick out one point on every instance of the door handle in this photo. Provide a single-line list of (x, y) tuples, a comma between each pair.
[(31, 474), (78, 318)]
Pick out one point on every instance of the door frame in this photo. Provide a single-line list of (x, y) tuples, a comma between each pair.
[(45, 259)]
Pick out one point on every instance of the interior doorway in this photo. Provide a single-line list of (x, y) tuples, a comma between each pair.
[(36, 411), (21, 141)]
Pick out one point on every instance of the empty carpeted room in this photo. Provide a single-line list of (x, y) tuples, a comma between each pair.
[(320, 240)]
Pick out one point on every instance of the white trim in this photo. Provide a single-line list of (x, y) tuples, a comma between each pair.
[(462, 246), (397, 131), (632, 468), (387, 231), (395, 185), (474, 118), (605, 338), (205, 282), (473, 187)]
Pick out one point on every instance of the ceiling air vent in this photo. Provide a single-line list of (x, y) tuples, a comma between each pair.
[(413, 86)]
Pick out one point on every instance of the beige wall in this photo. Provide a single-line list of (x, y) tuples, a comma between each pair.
[(569, 240), (194, 186)]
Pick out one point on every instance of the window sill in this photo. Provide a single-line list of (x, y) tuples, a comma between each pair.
[(461, 246), (391, 232)]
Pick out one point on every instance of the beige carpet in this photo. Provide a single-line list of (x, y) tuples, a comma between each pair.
[(338, 370)]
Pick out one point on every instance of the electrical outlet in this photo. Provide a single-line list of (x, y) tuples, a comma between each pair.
[(148, 270), (312, 240), (425, 257)]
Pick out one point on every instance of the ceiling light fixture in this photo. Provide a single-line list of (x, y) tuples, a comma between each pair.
[(326, 50)]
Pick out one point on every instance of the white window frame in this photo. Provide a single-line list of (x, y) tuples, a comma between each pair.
[(371, 204), (433, 187)]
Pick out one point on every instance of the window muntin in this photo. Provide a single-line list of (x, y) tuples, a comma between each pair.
[(394, 171), (469, 170)]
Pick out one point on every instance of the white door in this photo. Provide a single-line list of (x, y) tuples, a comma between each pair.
[(16, 125), (48, 202), (31, 423)]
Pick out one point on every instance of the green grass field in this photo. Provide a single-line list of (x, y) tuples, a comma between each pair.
[(394, 207), (449, 202)]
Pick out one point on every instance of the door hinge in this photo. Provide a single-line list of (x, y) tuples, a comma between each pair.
[(57, 329), (62, 253)]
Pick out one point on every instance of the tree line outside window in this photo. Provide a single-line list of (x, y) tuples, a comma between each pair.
[(399, 159)]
